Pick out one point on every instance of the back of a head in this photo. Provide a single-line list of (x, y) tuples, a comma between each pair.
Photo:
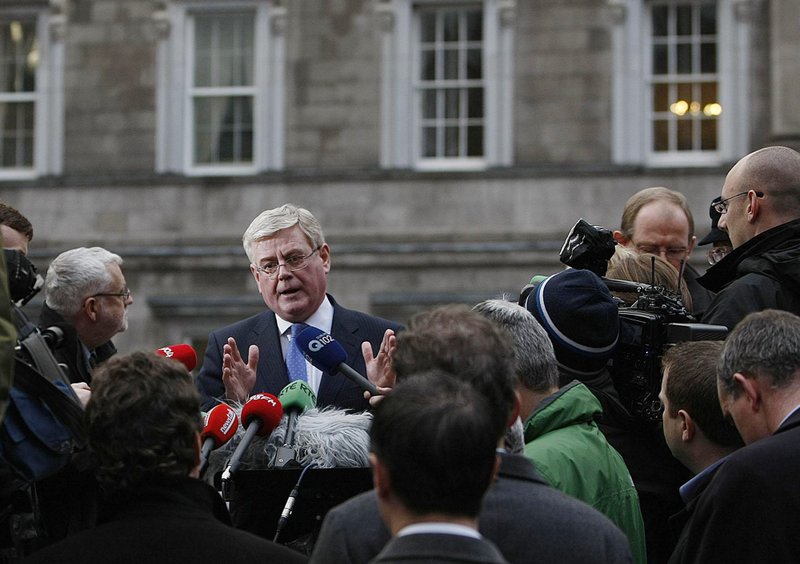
[(143, 416), (433, 434), (647, 196), (763, 344), (12, 218), (692, 386), (776, 172), (462, 342), (273, 220), (581, 318), (534, 358), (75, 274), (648, 269)]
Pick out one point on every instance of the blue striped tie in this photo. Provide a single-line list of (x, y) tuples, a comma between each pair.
[(295, 361)]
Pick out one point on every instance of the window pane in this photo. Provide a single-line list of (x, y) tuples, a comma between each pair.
[(660, 97), (708, 19), (428, 65), (708, 57), (683, 20), (428, 141), (428, 25), (475, 102), (450, 26), (429, 104), (452, 103), (223, 129), (224, 50), (660, 135), (474, 26), (19, 56), (660, 60), (708, 140), (684, 54), (708, 93), (451, 64), (451, 141), (685, 92), (659, 21), (474, 141), (474, 64), (17, 134), (685, 134)]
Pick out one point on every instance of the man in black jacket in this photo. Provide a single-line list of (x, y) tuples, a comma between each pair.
[(144, 426), (760, 207), (749, 511)]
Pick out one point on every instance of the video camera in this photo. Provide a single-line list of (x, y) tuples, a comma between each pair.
[(655, 321)]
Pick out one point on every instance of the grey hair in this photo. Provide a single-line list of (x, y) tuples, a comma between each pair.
[(271, 221), (763, 343), (534, 358), (75, 275)]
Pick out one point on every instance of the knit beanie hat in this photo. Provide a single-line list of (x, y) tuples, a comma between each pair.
[(580, 317)]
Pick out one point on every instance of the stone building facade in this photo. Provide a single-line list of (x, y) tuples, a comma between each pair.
[(447, 147)]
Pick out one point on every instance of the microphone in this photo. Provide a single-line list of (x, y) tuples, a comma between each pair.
[(295, 399), (219, 426), (325, 353), (260, 415), (183, 353)]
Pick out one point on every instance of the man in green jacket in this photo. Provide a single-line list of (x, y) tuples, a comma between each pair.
[(580, 319)]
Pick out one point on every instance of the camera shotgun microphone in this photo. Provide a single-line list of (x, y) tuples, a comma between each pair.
[(260, 415), (219, 427), (325, 353), (295, 398), (183, 353)]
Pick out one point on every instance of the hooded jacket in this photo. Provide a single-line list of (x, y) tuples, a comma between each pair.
[(764, 273), (573, 456)]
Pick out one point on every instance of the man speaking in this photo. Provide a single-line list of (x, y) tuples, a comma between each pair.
[(290, 262)]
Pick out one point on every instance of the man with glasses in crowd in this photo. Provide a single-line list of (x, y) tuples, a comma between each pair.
[(86, 296), (290, 262), (658, 221), (760, 209)]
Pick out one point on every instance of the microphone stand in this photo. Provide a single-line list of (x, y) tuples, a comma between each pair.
[(288, 508)]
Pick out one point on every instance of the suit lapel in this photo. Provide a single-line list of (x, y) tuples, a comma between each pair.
[(343, 329)]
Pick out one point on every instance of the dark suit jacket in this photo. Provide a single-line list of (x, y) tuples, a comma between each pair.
[(750, 510), (350, 328), (523, 516), (181, 520), (439, 548)]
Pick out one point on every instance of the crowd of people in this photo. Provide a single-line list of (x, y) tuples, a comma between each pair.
[(500, 432)]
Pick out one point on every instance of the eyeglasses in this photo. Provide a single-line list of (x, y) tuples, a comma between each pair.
[(675, 253), (722, 205), (717, 254), (295, 262), (125, 294)]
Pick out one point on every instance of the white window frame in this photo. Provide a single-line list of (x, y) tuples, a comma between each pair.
[(400, 121), (48, 98), (175, 123), (631, 105)]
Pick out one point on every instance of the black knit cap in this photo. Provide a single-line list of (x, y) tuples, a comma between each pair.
[(580, 316)]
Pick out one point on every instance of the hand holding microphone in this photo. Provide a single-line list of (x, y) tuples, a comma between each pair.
[(219, 427)]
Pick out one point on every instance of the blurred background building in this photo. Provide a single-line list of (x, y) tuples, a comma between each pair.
[(447, 147)]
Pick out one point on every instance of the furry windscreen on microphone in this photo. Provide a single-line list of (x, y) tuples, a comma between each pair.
[(328, 437)]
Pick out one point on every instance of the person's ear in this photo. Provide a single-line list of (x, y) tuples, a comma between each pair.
[(621, 239), (688, 426), (751, 388), (380, 477), (753, 206), (692, 245), (195, 473), (91, 306)]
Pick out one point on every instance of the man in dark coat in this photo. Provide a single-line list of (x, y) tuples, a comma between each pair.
[(760, 210), (749, 511), (144, 425), (290, 262)]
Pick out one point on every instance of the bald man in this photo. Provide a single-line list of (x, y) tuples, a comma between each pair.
[(760, 210)]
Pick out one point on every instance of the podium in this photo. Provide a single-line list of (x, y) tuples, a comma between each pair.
[(257, 498)]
